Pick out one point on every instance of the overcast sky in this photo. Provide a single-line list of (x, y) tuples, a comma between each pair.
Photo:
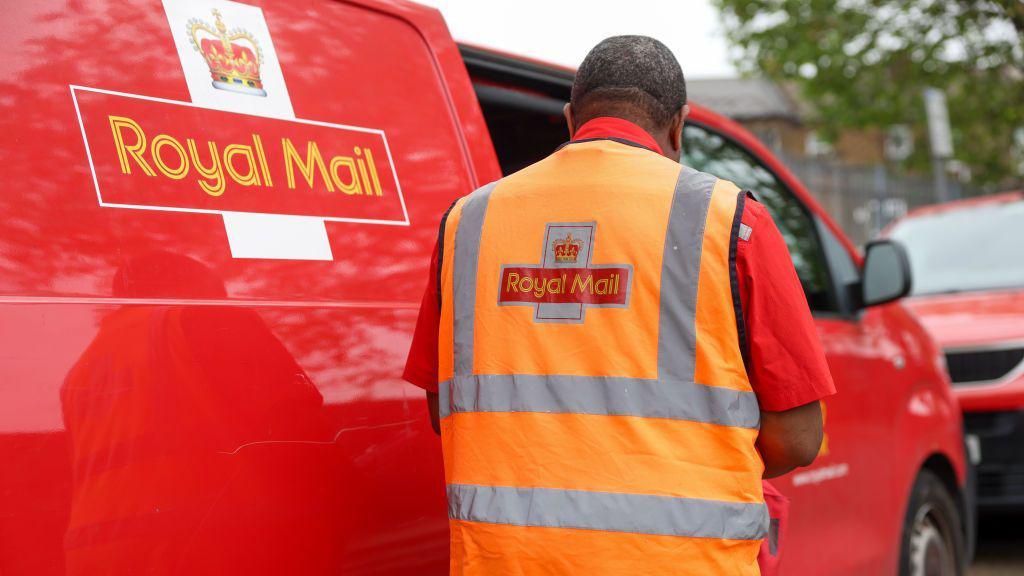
[(562, 31)]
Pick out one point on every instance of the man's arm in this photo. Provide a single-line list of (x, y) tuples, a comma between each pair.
[(785, 360), (421, 366), (788, 439)]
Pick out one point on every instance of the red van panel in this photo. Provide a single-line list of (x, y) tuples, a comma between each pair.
[(166, 407)]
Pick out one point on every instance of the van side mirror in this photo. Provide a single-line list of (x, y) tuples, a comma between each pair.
[(886, 274)]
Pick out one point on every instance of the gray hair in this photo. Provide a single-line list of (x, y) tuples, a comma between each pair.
[(636, 71)]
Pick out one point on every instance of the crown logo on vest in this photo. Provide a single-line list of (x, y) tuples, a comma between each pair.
[(567, 250), (234, 56)]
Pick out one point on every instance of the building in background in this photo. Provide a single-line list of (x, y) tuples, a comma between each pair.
[(783, 122), (855, 178)]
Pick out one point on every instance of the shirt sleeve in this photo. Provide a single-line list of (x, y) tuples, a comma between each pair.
[(421, 365), (786, 362)]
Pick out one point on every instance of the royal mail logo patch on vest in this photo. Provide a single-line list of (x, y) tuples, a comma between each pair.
[(565, 282)]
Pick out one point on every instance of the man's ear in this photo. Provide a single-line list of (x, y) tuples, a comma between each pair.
[(676, 129), (567, 110)]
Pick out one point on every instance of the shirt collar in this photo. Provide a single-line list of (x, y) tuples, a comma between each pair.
[(615, 128)]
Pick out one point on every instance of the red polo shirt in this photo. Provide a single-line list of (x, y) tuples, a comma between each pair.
[(786, 365)]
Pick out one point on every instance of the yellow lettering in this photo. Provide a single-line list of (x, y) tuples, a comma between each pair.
[(583, 285), (313, 160), (373, 172), (252, 177), (262, 155), (601, 286), (164, 141), (214, 172), (362, 172), (512, 283), (349, 188), (117, 123), (539, 287)]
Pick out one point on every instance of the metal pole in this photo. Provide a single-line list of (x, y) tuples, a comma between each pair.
[(882, 195), (941, 139), (941, 183)]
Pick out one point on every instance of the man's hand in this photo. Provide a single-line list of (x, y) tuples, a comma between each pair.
[(435, 421), (789, 439)]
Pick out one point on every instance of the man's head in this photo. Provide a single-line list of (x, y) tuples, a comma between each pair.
[(636, 78)]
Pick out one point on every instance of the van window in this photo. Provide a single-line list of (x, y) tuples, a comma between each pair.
[(522, 103), (515, 118), (845, 273), (709, 152)]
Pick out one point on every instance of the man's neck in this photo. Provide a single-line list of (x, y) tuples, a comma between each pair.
[(620, 128)]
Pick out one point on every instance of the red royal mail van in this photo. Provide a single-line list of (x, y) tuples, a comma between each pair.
[(217, 222), (969, 293)]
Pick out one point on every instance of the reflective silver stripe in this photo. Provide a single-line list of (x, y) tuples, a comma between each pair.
[(680, 270), (444, 399), (600, 395), (608, 511), (467, 255)]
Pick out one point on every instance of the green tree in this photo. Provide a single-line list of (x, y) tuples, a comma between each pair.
[(865, 63)]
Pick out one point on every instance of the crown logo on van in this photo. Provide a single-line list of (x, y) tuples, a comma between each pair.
[(234, 56)]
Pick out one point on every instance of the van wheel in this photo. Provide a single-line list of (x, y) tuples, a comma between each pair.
[(933, 538)]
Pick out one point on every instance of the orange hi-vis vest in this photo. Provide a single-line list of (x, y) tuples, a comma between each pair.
[(596, 415)]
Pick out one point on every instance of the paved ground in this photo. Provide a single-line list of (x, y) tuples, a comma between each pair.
[(1000, 547)]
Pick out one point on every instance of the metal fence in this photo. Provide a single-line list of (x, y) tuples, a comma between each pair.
[(864, 199)]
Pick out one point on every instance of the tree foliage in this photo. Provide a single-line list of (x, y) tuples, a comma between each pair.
[(865, 63)]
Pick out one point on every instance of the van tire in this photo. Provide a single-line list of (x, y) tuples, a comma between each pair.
[(933, 538)]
